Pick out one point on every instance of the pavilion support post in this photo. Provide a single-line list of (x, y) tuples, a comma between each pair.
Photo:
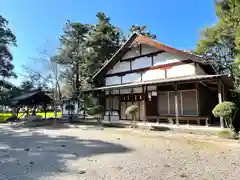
[(220, 100), (176, 105), (45, 111), (15, 111)]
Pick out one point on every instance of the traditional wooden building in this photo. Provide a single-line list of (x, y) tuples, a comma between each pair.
[(164, 82)]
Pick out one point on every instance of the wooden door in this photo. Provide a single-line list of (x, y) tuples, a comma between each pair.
[(151, 105)]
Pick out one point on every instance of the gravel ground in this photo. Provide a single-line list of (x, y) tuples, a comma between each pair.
[(83, 153)]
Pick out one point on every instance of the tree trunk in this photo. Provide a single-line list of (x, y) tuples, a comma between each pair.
[(77, 80), (134, 121)]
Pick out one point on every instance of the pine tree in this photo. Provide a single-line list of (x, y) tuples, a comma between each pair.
[(103, 41), (218, 42), (143, 30), (7, 38), (72, 53)]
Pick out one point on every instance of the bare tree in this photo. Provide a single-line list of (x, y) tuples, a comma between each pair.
[(43, 71)]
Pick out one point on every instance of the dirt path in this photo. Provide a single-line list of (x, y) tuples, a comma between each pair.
[(79, 153)]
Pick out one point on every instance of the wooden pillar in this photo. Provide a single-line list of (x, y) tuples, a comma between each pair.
[(220, 101), (197, 98), (224, 98), (110, 105), (45, 111), (132, 99), (144, 102), (176, 105)]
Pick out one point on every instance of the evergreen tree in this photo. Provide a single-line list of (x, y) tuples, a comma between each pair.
[(103, 41), (143, 30), (72, 53), (26, 86), (218, 42), (7, 38)]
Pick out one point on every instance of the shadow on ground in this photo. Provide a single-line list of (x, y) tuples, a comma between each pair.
[(26, 152), (161, 128)]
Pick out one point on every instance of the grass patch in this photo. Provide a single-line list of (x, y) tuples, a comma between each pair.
[(227, 134), (5, 116)]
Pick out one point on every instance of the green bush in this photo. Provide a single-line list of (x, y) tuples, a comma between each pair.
[(96, 110), (224, 109), (132, 110), (224, 134)]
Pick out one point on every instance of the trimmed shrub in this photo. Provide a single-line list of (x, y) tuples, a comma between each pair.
[(96, 110), (225, 110), (132, 110), (224, 134)]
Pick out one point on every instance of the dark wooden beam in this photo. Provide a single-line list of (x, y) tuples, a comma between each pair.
[(144, 55), (163, 66)]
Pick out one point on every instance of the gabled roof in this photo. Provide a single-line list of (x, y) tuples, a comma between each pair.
[(32, 97), (145, 40)]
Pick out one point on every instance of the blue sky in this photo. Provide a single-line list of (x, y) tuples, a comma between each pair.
[(38, 23)]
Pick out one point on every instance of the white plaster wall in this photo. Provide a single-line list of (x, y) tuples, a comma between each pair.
[(115, 91), (131, 77), (112, 80), (152, 88), (153, 75), (125, 91), (135, 51), (146, 49), (137, 90), (165, 58), (120, 67), (199, 70), (142, 62), (181, 70)]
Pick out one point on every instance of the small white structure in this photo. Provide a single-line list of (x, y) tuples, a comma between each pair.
[(65, 111)]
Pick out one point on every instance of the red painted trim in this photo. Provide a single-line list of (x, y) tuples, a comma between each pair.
[(151, 42)]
